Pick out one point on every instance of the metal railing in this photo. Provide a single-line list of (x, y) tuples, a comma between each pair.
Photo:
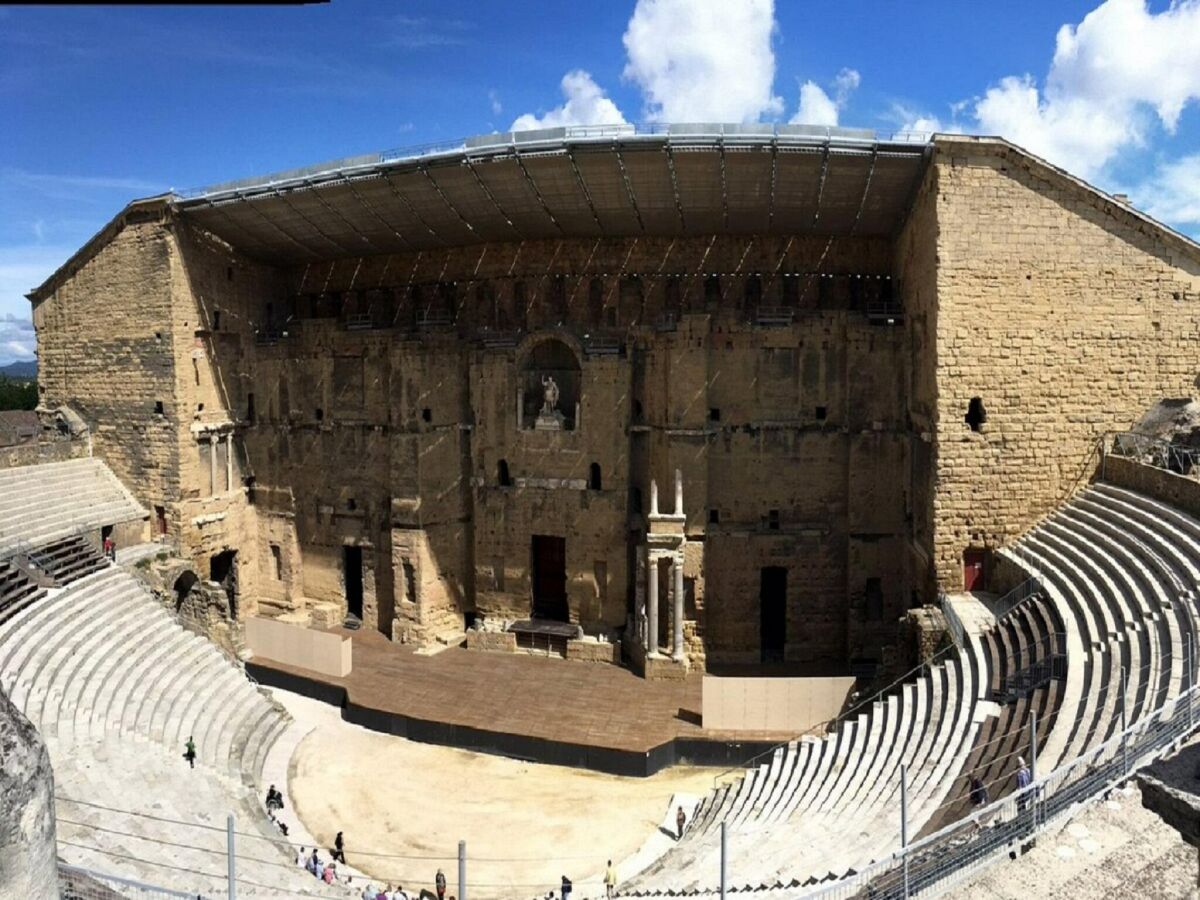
[(75, 883), (1033, 666), (957, 852), (544, 138), (1012, 601), (1156, 452)]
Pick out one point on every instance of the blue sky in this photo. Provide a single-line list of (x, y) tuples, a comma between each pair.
[(99, 106)]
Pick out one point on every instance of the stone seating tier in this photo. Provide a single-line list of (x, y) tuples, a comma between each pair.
[(47, 502), (68, 559), (101, 656), (1119, 574)]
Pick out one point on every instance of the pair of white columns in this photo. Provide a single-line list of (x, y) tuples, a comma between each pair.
[(652, 606)]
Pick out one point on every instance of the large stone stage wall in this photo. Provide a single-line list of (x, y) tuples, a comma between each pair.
[(371, 401)]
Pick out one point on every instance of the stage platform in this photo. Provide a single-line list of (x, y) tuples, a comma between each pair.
[(557, 711)]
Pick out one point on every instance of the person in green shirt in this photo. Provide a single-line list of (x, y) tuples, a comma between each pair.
[(189, 752)]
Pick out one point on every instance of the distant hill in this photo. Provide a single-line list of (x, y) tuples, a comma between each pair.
[(22, 369)]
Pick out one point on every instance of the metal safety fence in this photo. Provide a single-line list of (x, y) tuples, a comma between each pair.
[(1156, 452), (956, 853), (75, 883)]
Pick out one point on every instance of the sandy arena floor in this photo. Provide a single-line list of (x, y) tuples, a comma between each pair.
[(525, 824)]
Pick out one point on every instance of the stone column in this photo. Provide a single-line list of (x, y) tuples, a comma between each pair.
[(229, 462), (653, 497), (678, 492), (212, 466), (677, 569), (652, 605)]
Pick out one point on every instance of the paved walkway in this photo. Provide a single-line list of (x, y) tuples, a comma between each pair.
[(585, 703)]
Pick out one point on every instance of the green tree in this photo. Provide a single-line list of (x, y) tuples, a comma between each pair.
[(18, 393)]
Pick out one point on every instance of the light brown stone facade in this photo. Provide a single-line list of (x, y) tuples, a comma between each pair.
[(375, 416)]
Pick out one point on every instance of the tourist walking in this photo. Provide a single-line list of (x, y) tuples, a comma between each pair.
[(979, 793), (680, 821), (274, 799), (339, 848), (189, 752), (1024, 778), (566, 888), (440, 883), (610, 880)]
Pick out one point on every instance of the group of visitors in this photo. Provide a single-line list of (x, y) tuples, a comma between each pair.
[(317, 867), (979, 792), (388, 893)]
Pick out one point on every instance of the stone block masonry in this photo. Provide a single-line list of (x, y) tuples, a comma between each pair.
[(356, 435)]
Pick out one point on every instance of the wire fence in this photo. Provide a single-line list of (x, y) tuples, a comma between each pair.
[(75, 883), (959, 851), (1156, 452)]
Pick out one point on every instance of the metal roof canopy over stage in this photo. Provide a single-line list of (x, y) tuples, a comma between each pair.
[(583, 181)]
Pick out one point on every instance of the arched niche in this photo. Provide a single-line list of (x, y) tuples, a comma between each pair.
[(549, 383)]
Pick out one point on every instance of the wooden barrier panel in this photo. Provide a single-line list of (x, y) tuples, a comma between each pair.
[(772, 704), (294, 645)]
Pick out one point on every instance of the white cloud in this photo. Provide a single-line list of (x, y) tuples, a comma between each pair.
[(494, 100), (703, 60), (1107, 75), (586, 104), (816, 107), (819, 108), (1172, 193), (17, 340)]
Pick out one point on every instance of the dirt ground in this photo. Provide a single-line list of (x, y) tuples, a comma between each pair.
[(525, 824)]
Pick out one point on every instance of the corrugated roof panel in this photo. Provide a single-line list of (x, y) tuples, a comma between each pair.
[(468, 200), (845, 186), (516, 196), (892, 183), (562, 192), (698, 176), (747, 189), (653, 192), (426, 203), (797, 183), (607, 188)]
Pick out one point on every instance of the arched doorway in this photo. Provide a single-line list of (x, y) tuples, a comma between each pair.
[(183, 586)]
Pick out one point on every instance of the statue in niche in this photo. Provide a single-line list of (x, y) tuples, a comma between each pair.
[(551, 396), (549, 419)]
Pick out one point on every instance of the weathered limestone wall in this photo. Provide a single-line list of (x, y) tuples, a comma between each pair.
[(916, 266), (105, 347), (27, 841), (41, 452), (1066, 315)]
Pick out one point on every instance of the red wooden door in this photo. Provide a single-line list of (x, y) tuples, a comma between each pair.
[(973, 561)]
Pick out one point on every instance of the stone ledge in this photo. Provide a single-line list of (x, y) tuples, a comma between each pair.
[(594, 651), (492, 641)]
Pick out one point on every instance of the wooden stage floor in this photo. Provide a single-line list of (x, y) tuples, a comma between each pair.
[(544, 699)]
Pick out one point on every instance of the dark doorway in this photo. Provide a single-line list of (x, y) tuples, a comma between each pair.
[(549, 570), (974, 569), (183, 586), (352, 569), (772, 597), (222, 568)]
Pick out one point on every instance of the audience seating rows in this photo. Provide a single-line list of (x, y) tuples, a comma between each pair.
[(102, 656), (1119, 573), (43, 503), (68, 559), (16, 588)]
